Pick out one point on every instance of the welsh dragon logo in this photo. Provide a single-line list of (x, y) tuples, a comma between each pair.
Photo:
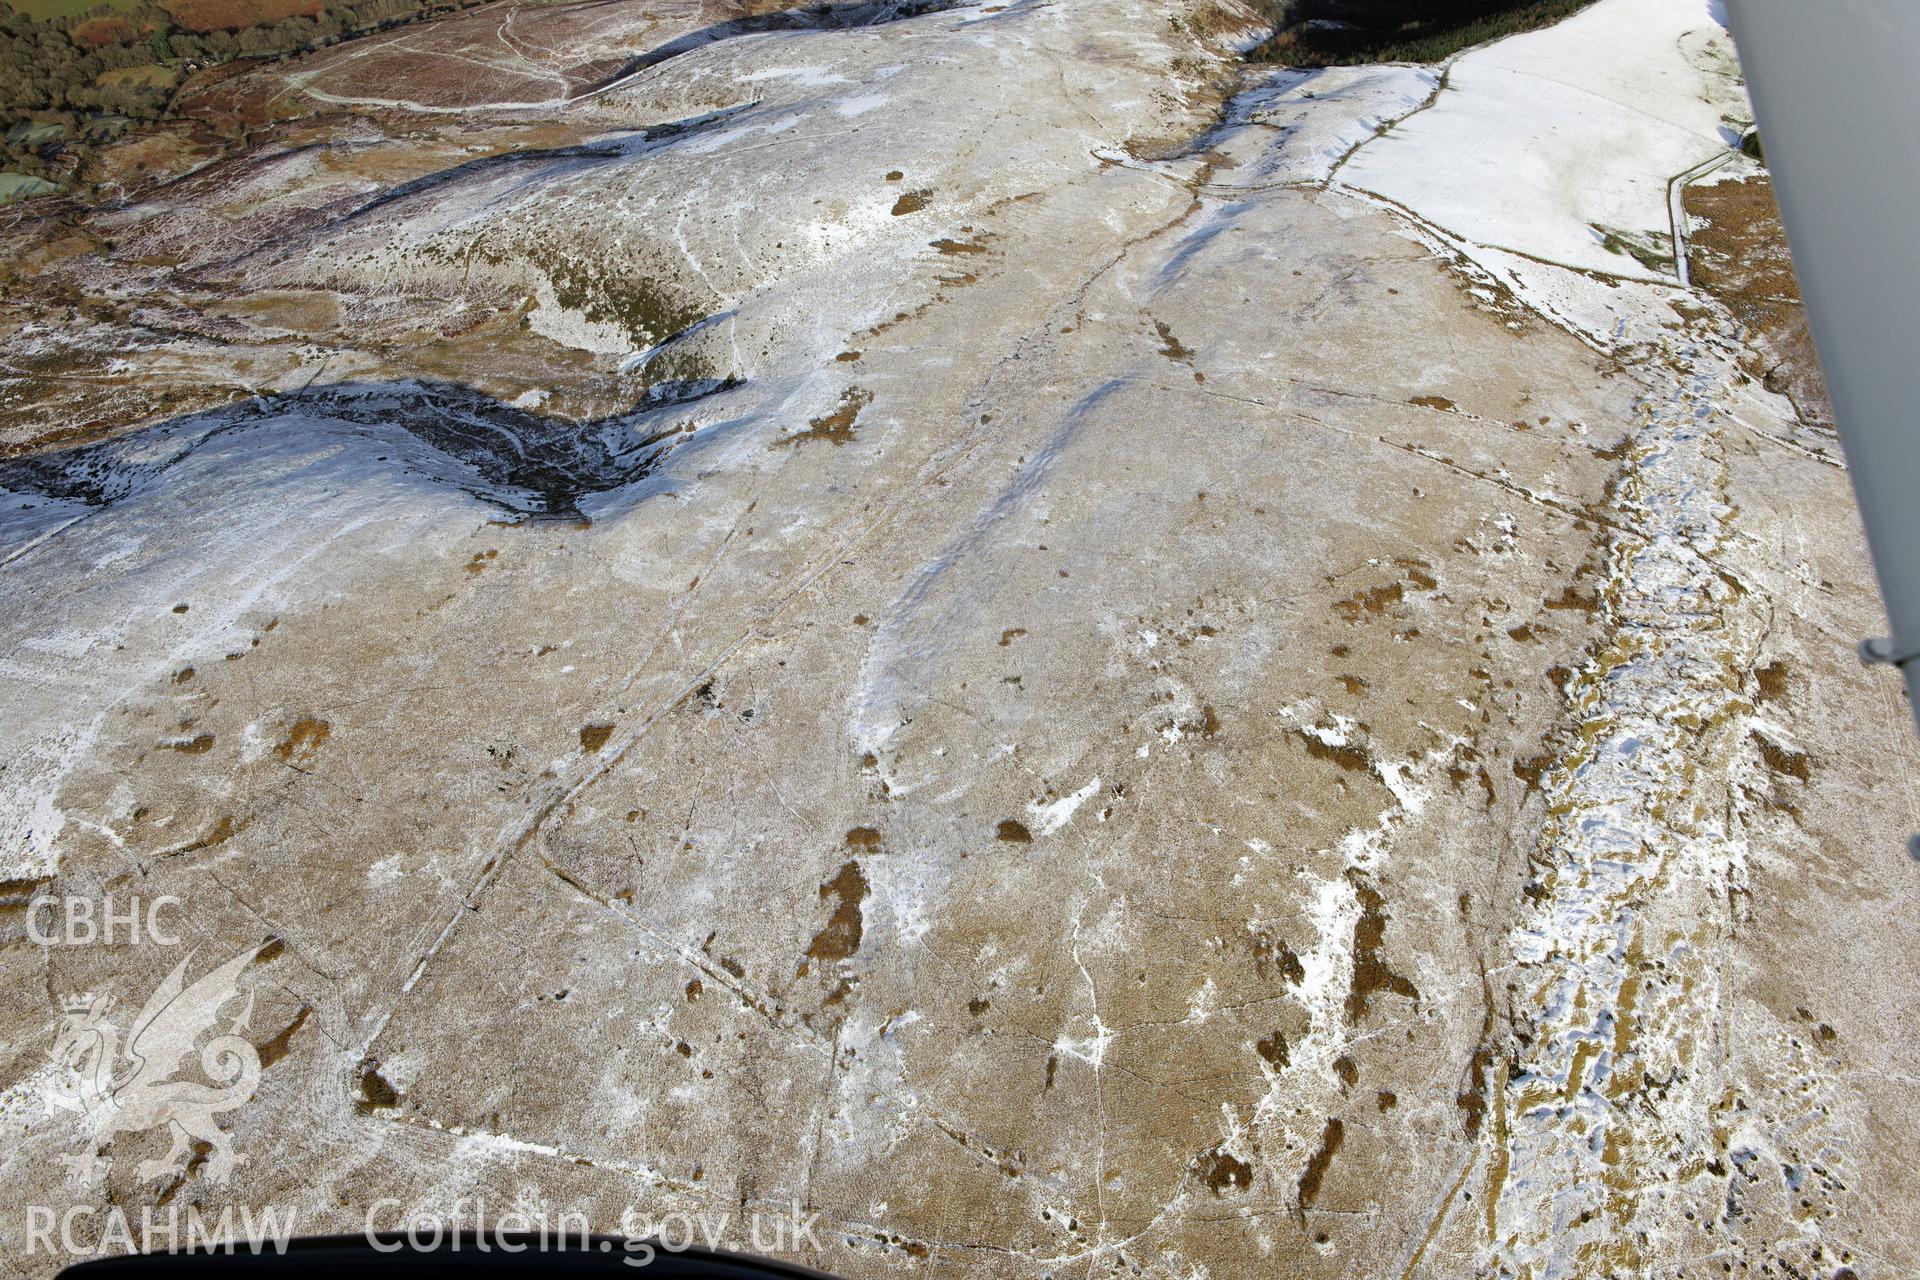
[(134, 1086)]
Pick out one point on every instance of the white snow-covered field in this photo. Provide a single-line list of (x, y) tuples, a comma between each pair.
[(1548, 143)]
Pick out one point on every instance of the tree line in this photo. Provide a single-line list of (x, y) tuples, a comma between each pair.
[(55, 103), (1322, 33)]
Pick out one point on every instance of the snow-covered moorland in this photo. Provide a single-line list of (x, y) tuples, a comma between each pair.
[(1072, 655)]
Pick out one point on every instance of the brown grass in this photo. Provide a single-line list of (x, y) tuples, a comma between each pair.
[(237, 15), (95, 32), (1740, 256)]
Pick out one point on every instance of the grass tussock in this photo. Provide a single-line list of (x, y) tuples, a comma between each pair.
[(1326, 33)]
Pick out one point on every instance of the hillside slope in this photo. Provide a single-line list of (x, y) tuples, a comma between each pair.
[(1078, 658)]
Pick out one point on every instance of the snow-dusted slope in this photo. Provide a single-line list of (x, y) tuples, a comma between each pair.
[(1078, 661)]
